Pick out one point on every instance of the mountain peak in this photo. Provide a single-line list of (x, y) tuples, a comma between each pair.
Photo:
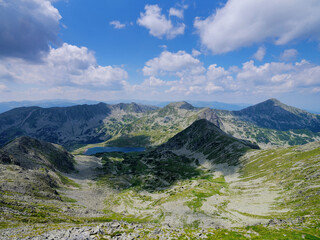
[(181, 105), (274, 100), (205, 137), (276, 115)]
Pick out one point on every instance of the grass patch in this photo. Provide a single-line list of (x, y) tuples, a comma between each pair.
[(67, 181)]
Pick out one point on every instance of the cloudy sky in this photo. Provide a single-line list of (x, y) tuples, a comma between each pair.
[(230, 51)]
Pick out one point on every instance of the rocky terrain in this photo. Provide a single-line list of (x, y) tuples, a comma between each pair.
[(271, 123), (31, 153), (66, 125), (208, 200), (268, 124), (275, 115), (199, 183)]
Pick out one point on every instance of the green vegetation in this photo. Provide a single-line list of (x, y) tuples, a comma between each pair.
[(148, 171), (295, 171), (67, 181)]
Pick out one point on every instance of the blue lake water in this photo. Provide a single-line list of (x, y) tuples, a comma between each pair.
[(95, 150)]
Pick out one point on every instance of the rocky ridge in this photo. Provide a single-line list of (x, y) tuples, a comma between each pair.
[(30, 153), (204, 137), (275, 115), (65, 125)]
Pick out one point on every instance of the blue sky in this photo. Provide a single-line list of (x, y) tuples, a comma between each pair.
[(230, 51)]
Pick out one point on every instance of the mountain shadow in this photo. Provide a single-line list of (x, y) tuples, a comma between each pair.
[(163, 167)]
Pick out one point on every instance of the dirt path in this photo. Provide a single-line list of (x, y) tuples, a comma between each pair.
[(89, 195)]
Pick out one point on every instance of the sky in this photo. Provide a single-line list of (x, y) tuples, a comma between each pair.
[(234, 51)]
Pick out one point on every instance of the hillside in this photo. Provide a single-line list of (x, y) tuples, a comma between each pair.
[(276, 115), (171, 192), (30, 153), (136, 125), (261, 123), (269, 192), (66, 125), (156, 127), (204, 137)]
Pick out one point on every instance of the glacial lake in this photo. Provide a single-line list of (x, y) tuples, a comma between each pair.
[(95, 150)]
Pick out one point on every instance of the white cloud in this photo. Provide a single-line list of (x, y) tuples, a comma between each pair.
[(191, 78), (65, 66), (27, 28), (215, 73), (259, 55), (176, 12), (195, 53), (154, 82), (158, 24), (289, 54), (117, 24), (173, 63), (243, 23), (211, 88), (279, 77)]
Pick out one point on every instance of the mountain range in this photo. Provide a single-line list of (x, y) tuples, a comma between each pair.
[(268, 123), (206, 173)]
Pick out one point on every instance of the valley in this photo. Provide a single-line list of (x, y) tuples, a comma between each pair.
[(159, 120), (205, 174)]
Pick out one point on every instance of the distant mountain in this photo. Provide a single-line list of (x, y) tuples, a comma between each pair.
[(220, 105), (6, 106), (138, 125), (204, 137), (66, 125), (202, 104), (156, 127), (276, 115), (31, 153)]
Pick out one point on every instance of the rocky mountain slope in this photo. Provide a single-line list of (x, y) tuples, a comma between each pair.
[(30, 153), (30, 176), (156, 127), (271, 123), (270, 192), (204, 137), (66, 125), (276, 115), (125, 125), (172, 191)]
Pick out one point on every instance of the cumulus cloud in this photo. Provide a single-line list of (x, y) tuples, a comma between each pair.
[(259, 55), (158, 24), (289, 54), (117, 24), (27, 27), (192, 78), (65, 66), (243, 23), (173, 63)]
